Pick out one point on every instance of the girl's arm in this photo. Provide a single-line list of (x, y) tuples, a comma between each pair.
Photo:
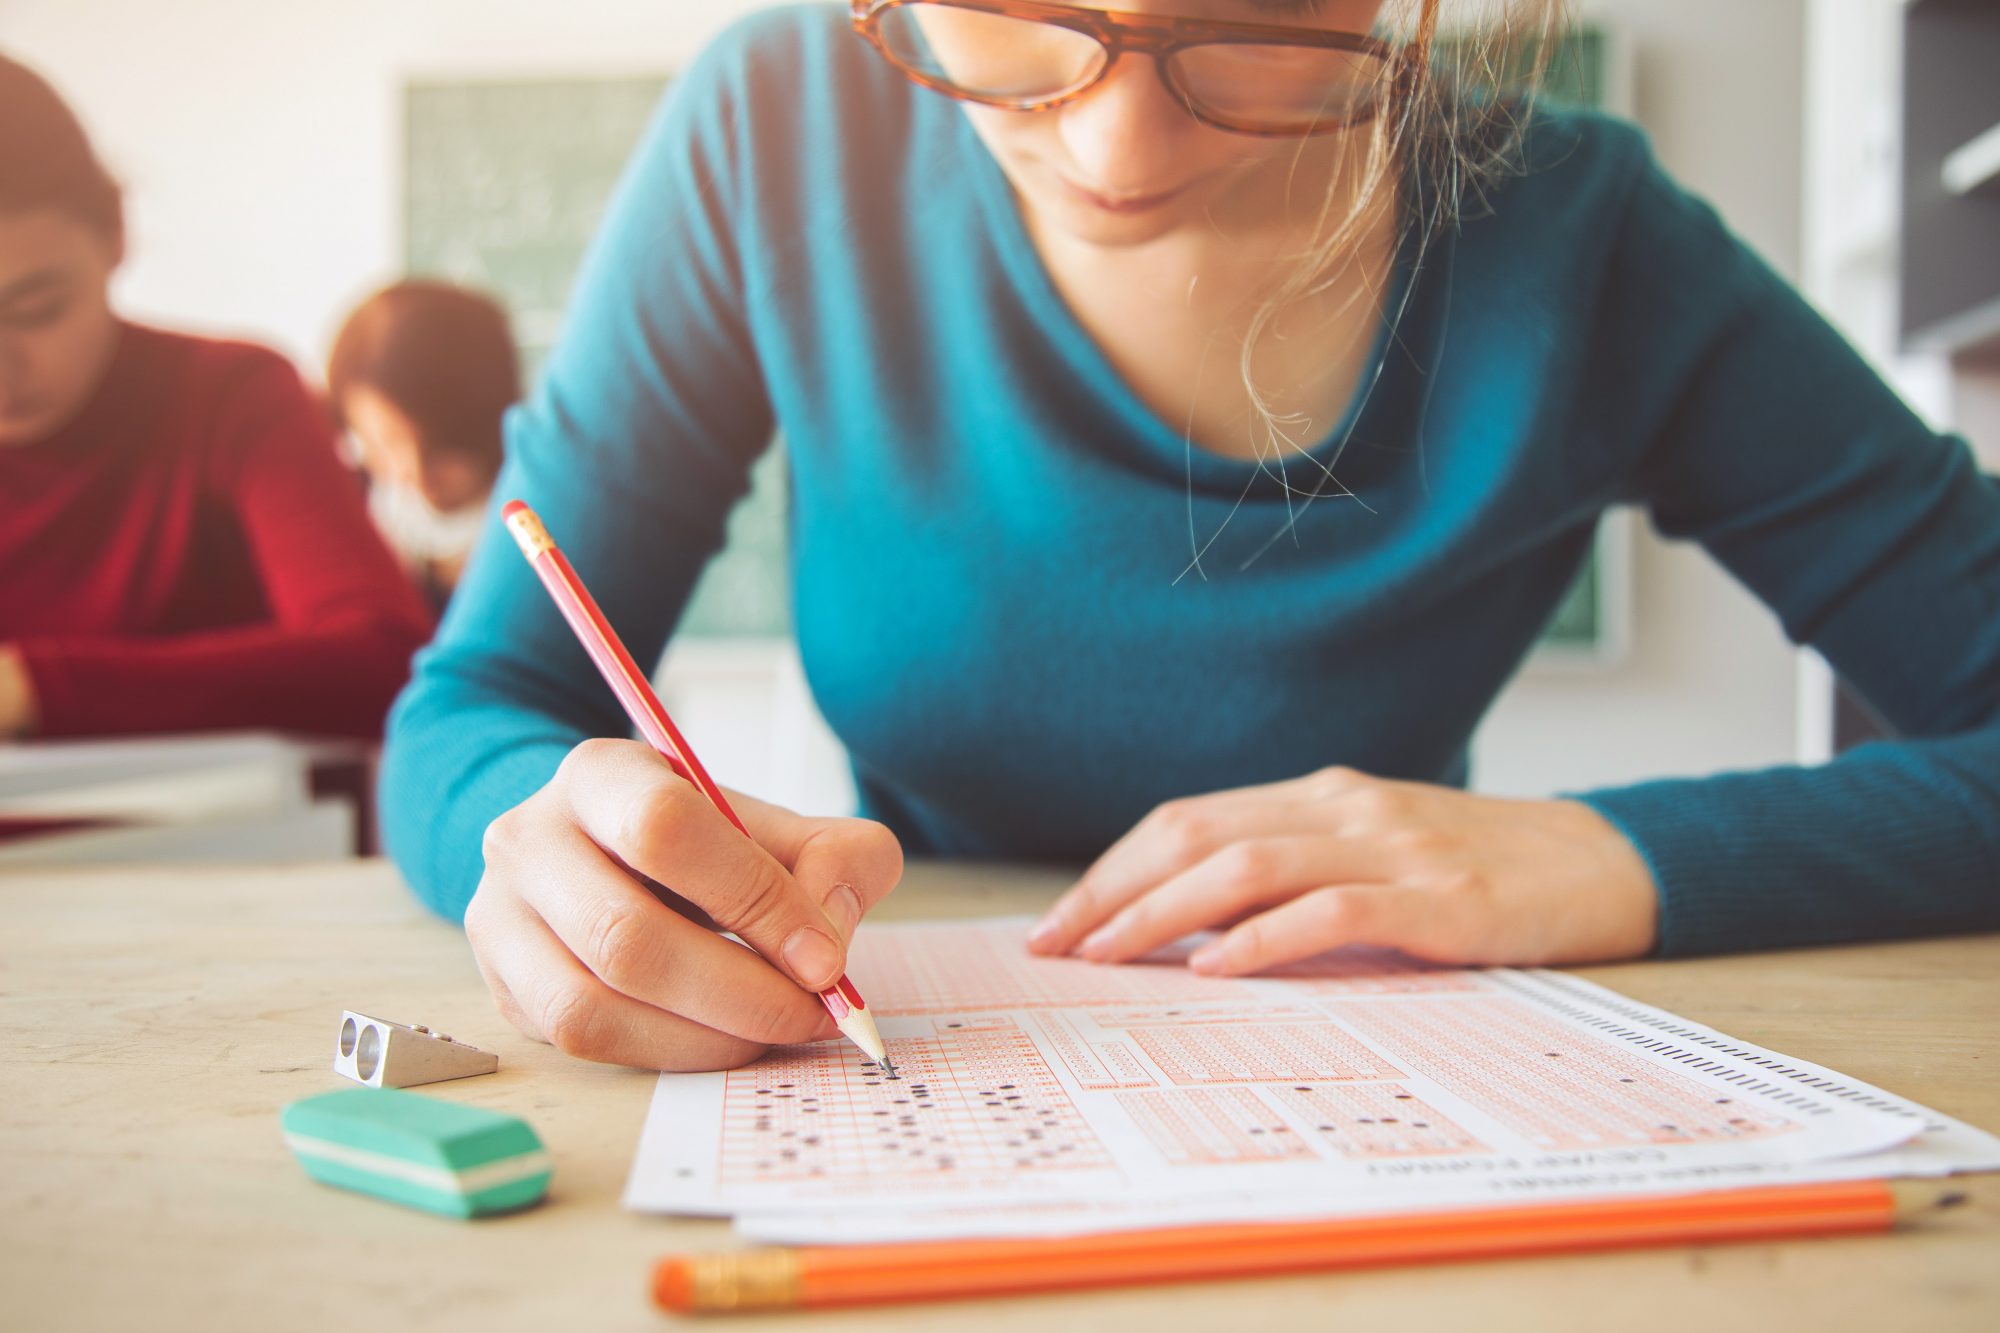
[(551, 846), (1877, 542), (1740, 420), (633, 449)]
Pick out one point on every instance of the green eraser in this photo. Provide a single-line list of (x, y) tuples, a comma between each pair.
[(461, 1161)]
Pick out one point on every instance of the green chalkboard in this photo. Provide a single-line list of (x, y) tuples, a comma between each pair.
[(504, 184), (1586, 626), (1579, 74)]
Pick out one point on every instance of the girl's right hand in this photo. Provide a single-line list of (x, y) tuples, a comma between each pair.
[(582, 951)]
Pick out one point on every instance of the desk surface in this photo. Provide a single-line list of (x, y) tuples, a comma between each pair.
[(153, 1022)]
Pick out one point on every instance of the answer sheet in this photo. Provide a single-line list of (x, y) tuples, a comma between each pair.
[(1042, 1096)]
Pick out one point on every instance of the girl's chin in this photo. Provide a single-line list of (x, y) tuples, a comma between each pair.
[(25, 428), (1113, 232)]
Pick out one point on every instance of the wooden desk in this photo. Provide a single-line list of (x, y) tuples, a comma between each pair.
[(153, 1022)]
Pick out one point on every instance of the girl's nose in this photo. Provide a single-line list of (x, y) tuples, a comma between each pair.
[(1125, 133)]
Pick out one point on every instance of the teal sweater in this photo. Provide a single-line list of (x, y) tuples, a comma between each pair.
[(990, 534)]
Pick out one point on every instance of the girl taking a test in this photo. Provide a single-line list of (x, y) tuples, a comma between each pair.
[(180, 547), (1194, 411)]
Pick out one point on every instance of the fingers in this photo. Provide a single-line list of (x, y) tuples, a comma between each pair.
[(596, 923), (552, 997), (631, 803), (639, 947), (1171, 840), (847, 865), (1242, 876), (1328, 918)]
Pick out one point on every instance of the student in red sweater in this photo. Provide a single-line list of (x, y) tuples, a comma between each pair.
[(180, 547)]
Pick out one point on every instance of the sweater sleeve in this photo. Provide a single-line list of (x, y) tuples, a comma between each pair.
[(343, 620), (633, 450), (1874, 540)]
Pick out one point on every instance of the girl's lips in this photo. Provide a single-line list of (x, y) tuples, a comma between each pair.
[(1123, 204)]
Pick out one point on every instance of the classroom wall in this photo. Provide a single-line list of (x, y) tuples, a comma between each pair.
[(260, 144), (260, 139)]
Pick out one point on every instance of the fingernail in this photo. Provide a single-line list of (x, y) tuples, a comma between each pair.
[(1207, 959), (813, 957), (1098, 944), (1044, 933), (843, 908)]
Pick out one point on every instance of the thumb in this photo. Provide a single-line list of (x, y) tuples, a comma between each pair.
[(845, 865)]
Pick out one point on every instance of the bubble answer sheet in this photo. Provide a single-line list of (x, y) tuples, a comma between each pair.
[(1044, 1096)]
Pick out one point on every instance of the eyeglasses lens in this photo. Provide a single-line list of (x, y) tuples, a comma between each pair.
[(990, 57), (1278, 89), (1008, 61)]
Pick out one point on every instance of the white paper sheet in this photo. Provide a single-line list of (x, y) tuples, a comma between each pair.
[(1043, 1096)]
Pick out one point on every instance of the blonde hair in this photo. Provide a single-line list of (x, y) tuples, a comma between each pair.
[(1450, 127)]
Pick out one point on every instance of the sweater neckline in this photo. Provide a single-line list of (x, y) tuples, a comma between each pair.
[(92, 426), (1161, 443)]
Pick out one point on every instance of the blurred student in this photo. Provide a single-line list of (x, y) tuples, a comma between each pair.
[(180, 547), (420, 376)]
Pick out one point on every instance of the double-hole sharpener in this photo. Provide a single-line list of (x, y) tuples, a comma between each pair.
[(382, 1054)]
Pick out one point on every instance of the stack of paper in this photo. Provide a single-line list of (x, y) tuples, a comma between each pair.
[(215, 797), (1043, 1096)]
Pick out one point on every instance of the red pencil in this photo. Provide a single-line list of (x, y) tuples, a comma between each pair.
[(635, 693)]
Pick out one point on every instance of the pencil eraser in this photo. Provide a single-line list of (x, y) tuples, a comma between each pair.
[(673, 1285), (421, 1152)]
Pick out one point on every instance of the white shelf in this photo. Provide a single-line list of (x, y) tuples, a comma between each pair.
[(1975, 166)]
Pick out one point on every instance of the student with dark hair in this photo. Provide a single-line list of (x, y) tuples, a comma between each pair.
[(420, 376), (180, 548)]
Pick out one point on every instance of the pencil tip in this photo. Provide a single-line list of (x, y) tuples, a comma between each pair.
[(861, 1030), (1920, 1197)]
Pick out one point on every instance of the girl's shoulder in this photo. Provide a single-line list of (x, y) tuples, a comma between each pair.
[(217, 365), (1573, 184), (803, 63), (792, 31), (215, 379), (218, 399), (786, 120), (163, 375), (1559, 160)]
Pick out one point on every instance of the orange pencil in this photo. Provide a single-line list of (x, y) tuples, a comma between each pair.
[(649, 715), (821, 1276)]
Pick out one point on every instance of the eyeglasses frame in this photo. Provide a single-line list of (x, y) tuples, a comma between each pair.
[(1157, 35)]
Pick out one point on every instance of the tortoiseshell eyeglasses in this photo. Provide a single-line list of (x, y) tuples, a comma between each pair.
[(1025, 55)]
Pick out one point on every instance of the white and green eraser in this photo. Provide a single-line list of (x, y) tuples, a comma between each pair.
[(442, 1157)]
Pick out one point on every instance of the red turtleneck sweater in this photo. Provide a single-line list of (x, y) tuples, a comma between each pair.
[(188, 553)]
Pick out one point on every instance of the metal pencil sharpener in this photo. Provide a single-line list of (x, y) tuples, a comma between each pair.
[(382, 1054)]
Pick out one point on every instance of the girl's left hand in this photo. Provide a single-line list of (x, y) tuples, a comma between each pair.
[(1337, 857)]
